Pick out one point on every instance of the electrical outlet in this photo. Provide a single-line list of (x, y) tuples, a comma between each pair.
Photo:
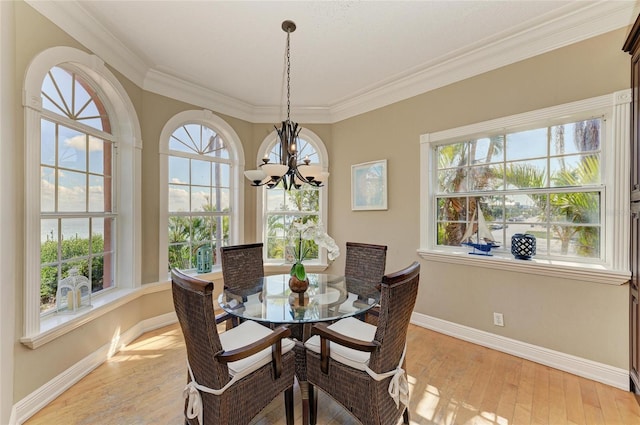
[(498, 319)]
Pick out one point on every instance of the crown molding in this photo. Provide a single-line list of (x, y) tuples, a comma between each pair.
[(175, 88), (549, 34), (73, 19), (301, 114), (568, 25)]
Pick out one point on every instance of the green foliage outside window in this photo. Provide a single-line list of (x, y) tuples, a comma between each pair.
[(297, 205), (555, 169), (75, 251), (188, 233)]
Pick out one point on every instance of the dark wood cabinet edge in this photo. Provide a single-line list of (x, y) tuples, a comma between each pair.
[(630, 45)]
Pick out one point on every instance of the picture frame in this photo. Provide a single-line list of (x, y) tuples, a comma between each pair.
[(369, 186)]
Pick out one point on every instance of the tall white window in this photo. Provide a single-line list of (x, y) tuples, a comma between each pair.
[(280, 208), (200, 166), (82, 186), (559, 174), (77, 209)]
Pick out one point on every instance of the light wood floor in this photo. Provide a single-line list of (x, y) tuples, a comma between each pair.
[(452, 382)]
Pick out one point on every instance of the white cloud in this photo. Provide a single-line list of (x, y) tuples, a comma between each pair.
[(178, 199), (79, 143), (76, 142), (71, 198)]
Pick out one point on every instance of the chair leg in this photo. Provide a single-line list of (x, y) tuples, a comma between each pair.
[(313, 401), (231, 323), (405, 416), (288, 405)]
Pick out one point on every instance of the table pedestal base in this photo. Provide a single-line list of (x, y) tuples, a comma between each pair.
[(307, 392)]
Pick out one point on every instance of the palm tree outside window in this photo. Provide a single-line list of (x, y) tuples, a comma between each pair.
[(545, 181), (281, 208), (284, 207), (199, 194)]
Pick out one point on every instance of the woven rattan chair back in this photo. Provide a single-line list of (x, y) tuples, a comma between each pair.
[(364, 397), (242, 265), (398, 298), (193, 301), (365, 262)]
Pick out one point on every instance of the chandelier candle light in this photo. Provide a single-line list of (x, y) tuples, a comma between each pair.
[(290, 171)]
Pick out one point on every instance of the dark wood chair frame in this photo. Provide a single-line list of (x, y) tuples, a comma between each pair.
[(244, 399), (370, 401)]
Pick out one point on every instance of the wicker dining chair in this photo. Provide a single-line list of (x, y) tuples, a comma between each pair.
[(354, 361), (233, 375), (366, 262), (242, 266)]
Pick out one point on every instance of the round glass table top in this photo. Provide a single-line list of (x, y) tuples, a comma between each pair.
[(328, 297)]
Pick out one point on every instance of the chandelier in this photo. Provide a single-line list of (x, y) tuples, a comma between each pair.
[(291, 172)]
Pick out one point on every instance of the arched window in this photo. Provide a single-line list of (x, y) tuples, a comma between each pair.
[(279, 208), (77, 214), (201, 201), (81, 182)]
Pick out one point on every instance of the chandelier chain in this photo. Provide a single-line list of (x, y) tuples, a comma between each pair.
[(288, 74)]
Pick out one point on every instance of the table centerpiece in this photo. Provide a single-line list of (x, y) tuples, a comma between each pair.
[(303, 239)]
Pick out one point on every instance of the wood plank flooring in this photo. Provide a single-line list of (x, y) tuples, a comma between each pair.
[(451, 381)]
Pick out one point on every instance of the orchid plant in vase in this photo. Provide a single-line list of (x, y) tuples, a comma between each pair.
[(305, 238)]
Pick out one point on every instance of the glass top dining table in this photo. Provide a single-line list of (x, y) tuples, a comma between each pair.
[(270, 300), (328, 298)]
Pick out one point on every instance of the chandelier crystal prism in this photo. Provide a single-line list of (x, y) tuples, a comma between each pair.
[(290, 172)]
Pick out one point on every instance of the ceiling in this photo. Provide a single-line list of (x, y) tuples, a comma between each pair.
[(347, 57)]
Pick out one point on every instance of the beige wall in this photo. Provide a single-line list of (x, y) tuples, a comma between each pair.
[(579, 318), (36, 367), (156, 111), (33, 368), (9, 194), (584, 319)]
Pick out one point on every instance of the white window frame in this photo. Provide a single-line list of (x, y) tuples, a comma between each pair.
[(615, 162), (323, 158), (127, 186), (236, 157)]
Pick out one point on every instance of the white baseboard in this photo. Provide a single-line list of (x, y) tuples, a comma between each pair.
[(44, 395), (600, 372)]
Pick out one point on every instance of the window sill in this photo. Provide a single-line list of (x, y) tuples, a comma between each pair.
[(56, 325), (596, 273)]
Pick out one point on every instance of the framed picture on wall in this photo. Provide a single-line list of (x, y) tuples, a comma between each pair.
[(369, 186)]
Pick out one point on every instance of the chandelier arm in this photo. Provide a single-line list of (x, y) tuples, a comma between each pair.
[(288, 135), (258, 183), (273, 183), (312, 182), (300, 176)]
